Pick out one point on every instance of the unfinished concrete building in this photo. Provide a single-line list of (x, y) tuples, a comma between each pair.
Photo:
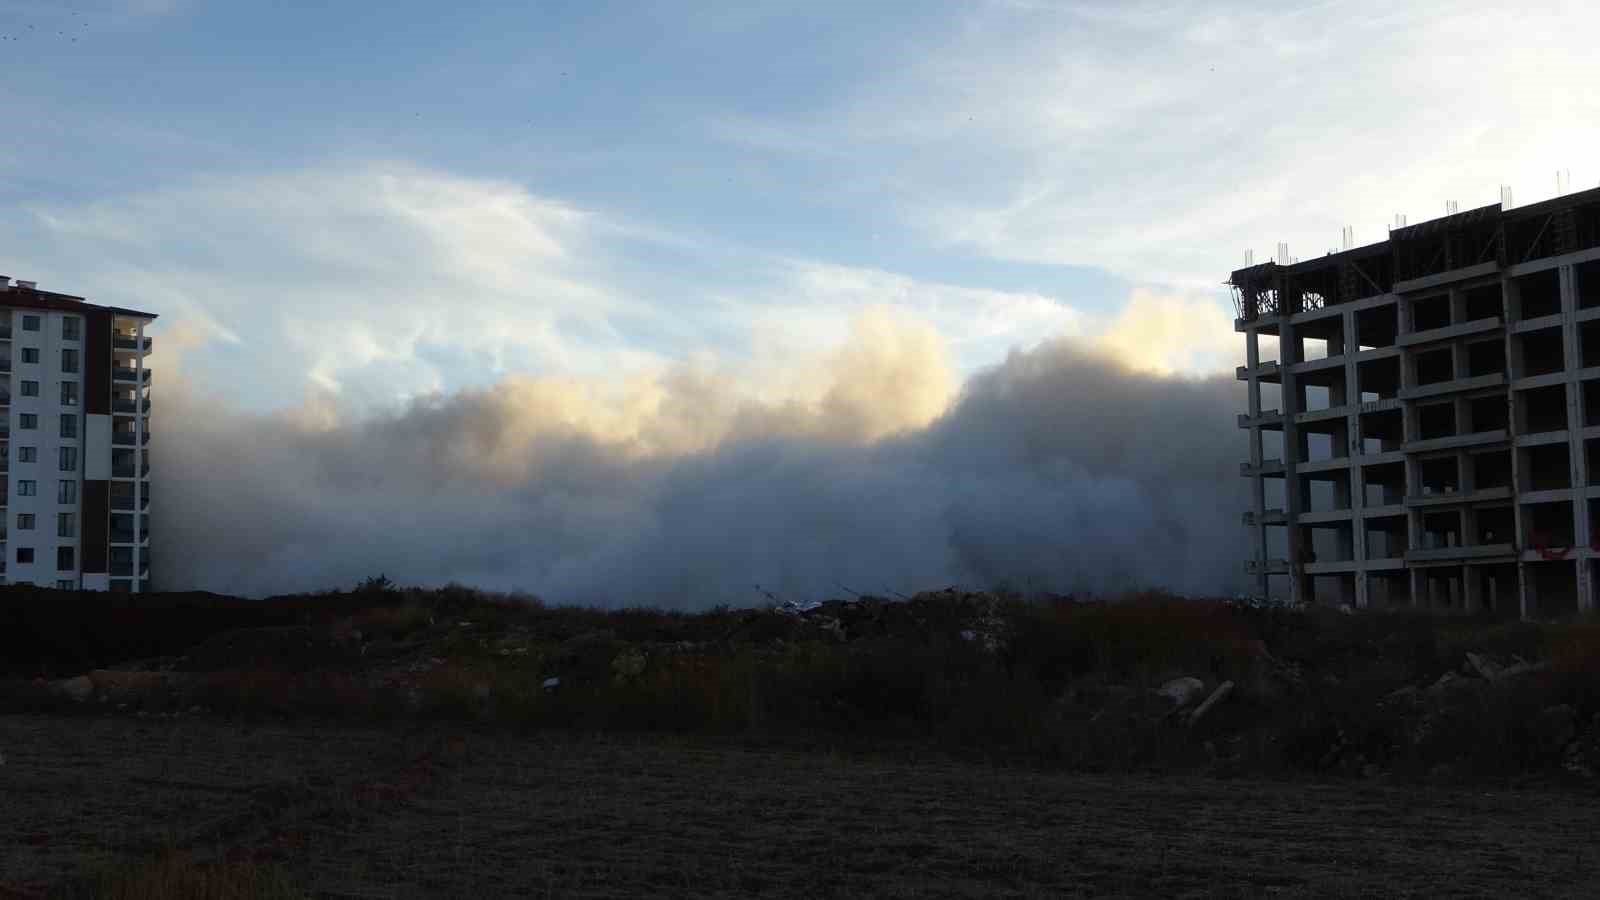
[(1428, 434)]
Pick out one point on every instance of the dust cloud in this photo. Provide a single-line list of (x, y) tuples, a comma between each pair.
[(869, 468)]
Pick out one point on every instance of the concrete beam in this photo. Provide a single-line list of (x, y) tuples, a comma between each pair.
[(1474, 551), (1475, 439), (1449, 332), (1413, 285)]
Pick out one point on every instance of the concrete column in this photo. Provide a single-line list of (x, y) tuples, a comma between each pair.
[(1258, 495), (138, 458), (1473, 583), (1512, 306), (1294, 452), (1355, 450), (1572, 346)]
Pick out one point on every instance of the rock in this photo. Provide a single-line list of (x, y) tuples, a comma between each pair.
[(1446, 682), (551, 684), (629, 664), (1222, 691), (1582, 757), (1524, 669), (79, 689), (123, 685), (1407, 694), (1182, 691), (1555, 727), (1484, 666)]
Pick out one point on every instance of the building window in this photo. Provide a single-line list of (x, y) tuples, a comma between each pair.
[(69, 328), (27, 487), (69, 425), (27, 420), (30, 323), (69, 393), (24, 554), (30, 388), (67, 584), (30, 354), (66, 525), (27, 454), (24, 521), (67, 492), (69, 459), (69, 359), (66, 559)]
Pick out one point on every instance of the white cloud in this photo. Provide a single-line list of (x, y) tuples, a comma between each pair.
[(1161, 141), (376, 283), (334, 273)]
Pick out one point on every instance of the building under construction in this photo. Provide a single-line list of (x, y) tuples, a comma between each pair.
[(1428, 434)]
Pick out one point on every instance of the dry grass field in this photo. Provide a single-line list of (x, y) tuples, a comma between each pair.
[(119, 806)]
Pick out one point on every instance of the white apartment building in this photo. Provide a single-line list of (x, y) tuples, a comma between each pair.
[(74, 442)]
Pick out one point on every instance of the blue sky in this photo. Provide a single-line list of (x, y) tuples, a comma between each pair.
[(376, 201)]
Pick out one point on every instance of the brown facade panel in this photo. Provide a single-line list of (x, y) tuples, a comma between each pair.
[(97, 362), (96, 541)]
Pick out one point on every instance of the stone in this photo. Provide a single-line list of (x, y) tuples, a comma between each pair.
[(1182, 691), (1555, 727), (1486, 667), (628, 664), (551, 683), (79, 689)]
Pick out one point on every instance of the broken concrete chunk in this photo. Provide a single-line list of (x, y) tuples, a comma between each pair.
[(79, 688), (1222, 691), (1182, 691)]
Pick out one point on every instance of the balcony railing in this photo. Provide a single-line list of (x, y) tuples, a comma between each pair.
[(125, 470), (128, 438), (129, 342), (5, 398), (122, 568), (124, 373), (5, 332), (130, 407), (119, 536), (5, 364)]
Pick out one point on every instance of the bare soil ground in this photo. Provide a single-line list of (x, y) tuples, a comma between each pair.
[(431, 811)]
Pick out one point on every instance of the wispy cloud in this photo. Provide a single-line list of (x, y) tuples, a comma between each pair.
[(1161, 141), (381, 281)]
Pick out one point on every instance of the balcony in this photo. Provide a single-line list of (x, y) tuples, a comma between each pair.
[(5, 364), (126, 469), (125, 373), (123, 536), (125, 501), (128, 438), (5, 335), (131, 407), (124, 568), (120, 341)]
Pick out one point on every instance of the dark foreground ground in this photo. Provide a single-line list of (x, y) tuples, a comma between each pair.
[(435, 810)]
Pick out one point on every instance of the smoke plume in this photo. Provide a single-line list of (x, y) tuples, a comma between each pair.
[(868, 468)]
